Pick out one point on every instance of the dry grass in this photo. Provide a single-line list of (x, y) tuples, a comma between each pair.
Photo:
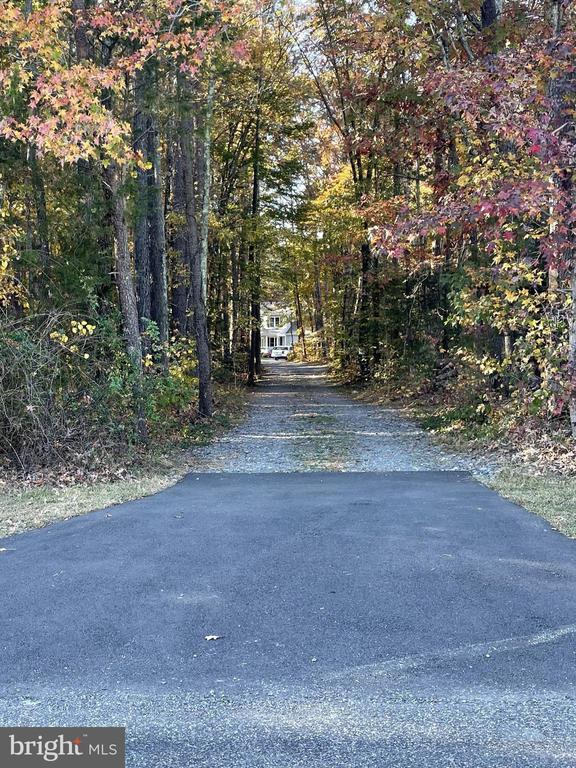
[(27, 508), (551, 496)]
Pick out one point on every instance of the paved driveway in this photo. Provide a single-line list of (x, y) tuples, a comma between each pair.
[(382, 619)]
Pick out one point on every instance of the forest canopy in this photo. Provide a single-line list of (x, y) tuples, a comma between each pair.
[(401, 173)]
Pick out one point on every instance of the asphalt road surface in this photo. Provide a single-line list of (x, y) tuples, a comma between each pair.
[(381, 619)]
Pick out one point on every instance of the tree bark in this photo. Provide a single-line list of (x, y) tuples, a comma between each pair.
[(127, 291), (186, 131), (157, 248), (254, 358), (83, 50), (206, 173), (364, 335), (235, 270), (300, 319), (319, 324), (42, 238), (181, 267), (149, 227), (141, 234), (489, 12), (224, 309), (562, 92)]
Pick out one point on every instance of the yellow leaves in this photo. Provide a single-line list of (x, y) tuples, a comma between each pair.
[(72, 338), (507, 298), (58, 336), (82, 328), (11, 234), (182, 359), (489, 365), (340, 186), (10, 289), (65, 115)]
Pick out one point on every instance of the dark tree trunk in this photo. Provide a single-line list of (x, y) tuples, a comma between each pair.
[(235, 270), (489, 12), (347, 320), (141, 234), (41, 242), (186, 131), (157, 248), (254, 359), (300, 319), (149, 232), (376, 299), (126, 290), (319, 309), (205, 179), (181, 267), (82, 43), (42, 235), (562, 91), (364, 314), (225, 310)]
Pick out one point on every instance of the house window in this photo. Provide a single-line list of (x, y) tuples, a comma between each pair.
[(271, 341), (274, 322)]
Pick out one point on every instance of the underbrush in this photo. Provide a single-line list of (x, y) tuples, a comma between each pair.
[(311, 349), (465, 409), (68, 404)]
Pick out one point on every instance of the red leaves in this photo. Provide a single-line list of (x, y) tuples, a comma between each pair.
[(239, 50), (364, 147), (66, 113), (497, 113)]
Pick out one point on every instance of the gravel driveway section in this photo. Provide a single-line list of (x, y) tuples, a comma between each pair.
[(300, 421)]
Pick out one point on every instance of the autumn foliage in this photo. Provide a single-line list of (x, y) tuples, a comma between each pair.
[(401, 173)]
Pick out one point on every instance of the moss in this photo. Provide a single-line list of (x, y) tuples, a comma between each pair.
[(315, 418)]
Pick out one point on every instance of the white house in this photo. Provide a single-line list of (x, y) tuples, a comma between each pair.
[(278, 327)]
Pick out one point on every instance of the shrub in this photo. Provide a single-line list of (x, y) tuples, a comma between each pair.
[(67, 392), (64, 393)]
